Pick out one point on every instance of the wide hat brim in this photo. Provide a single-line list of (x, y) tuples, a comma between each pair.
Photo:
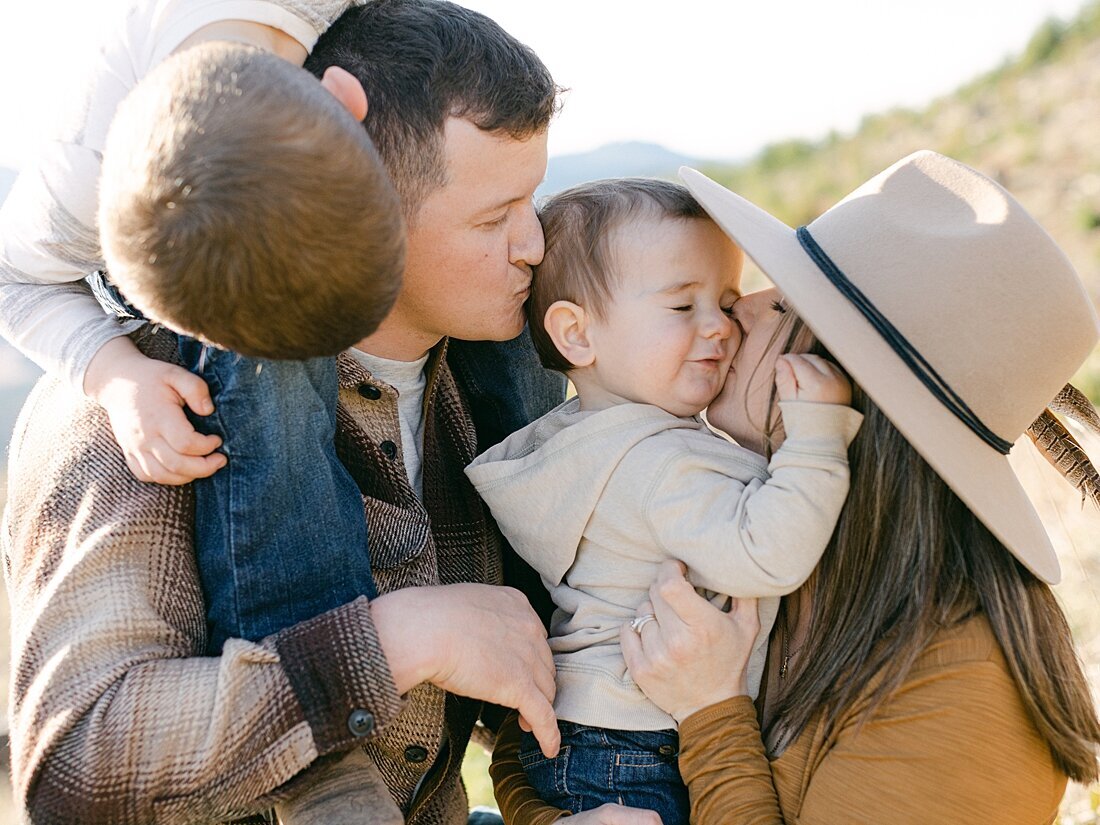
[(980, 475)]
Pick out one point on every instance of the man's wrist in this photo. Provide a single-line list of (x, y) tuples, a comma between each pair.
[(410, 653)]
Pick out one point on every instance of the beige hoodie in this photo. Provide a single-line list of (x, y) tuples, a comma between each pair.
[(596, 500)]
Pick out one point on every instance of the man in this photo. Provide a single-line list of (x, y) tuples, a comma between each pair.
[(116, 716)]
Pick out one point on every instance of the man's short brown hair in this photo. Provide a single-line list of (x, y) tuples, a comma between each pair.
[(424, 61), (579, 263), (240, 203)]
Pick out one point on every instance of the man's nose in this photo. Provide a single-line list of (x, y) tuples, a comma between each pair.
[(527, 244)]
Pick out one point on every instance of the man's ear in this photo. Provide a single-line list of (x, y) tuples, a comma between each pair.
[(346, 88), (567, 325)]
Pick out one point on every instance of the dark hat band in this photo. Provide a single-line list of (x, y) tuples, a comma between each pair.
[(916, 362)]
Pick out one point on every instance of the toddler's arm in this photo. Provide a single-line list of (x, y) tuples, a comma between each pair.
[(144, 400), (762, 537)]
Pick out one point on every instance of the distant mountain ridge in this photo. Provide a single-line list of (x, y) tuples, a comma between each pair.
[(629, 159), (1032, 124)]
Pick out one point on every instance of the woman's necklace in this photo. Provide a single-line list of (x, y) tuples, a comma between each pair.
[(786, 647)]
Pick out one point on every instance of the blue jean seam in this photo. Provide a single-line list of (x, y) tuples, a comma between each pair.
[(231, 547)]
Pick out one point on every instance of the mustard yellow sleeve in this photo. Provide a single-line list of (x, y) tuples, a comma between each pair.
[(723, 764), (519, 803), (953, 743)]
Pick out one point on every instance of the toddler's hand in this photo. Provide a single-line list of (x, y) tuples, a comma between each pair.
[(811, 378), (144, 399)]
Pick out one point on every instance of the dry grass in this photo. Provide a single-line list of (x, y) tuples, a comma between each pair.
[(1075, 530)]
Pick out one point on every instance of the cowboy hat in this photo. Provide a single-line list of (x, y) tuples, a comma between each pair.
[(949, 305)]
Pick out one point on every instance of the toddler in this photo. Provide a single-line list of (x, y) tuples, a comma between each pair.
[(635, 301)]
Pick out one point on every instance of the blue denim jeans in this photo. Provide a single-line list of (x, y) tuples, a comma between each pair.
[(482, 816), (598, 765), (280, 533)]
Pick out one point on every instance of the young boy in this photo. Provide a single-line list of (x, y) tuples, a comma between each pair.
[(636, 296), (242, 203)]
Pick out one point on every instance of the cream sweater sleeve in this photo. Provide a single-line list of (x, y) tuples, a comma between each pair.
[(758, 537), (48, 236)]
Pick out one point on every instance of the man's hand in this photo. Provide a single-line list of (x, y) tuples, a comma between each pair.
[(477, 640), (144, 399), (811, 378)]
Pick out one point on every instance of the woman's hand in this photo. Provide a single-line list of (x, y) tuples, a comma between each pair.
[(692, 655), (612, 815)]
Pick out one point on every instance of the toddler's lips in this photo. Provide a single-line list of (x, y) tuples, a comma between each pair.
[(709, 363)]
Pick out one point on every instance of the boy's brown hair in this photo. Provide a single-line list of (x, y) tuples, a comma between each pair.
[(579, 263), (240, 203)]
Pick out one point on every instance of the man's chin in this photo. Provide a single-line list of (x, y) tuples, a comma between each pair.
[(503, 332)]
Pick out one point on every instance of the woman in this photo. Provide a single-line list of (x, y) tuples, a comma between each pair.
[(925, 673)]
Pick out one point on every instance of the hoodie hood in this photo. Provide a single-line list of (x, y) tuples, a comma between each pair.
[(543, 482)]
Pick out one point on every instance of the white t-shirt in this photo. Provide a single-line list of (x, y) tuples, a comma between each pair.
[(407, 377), (48, 236)]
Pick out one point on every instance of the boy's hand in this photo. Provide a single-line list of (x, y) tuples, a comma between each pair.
[(144, 399), (811, 378)]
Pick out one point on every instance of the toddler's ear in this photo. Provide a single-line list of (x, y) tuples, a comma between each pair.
[(566, 324), (346, 88)]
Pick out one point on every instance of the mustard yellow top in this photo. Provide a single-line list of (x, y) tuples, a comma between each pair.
[(952, 744)]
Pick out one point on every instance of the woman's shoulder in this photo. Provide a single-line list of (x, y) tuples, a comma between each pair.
[(962, 671), (955, 733), (967, 641)]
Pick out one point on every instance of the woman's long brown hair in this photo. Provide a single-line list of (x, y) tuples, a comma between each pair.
[(908, 558)]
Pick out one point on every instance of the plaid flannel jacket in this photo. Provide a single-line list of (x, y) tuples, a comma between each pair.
[(116, 715)]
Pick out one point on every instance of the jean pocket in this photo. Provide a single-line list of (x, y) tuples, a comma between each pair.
[(642, 761), (547, 775), (650, 780), (637, 769)]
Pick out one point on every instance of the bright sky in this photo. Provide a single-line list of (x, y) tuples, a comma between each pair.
[(704, 78)]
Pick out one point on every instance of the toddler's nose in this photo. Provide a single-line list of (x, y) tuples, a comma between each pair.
[(718, 325)]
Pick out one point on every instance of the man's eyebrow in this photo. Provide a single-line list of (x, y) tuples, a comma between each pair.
[(503, 204)]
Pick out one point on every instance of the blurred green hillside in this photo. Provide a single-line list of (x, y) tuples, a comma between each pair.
[(1033, 124)]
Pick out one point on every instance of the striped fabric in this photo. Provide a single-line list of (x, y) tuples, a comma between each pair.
[(116, 716)]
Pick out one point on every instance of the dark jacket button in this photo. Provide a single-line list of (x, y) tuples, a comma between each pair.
[(666, 750), (360, 722), (415, 753), (389, 449), (370, 391)]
